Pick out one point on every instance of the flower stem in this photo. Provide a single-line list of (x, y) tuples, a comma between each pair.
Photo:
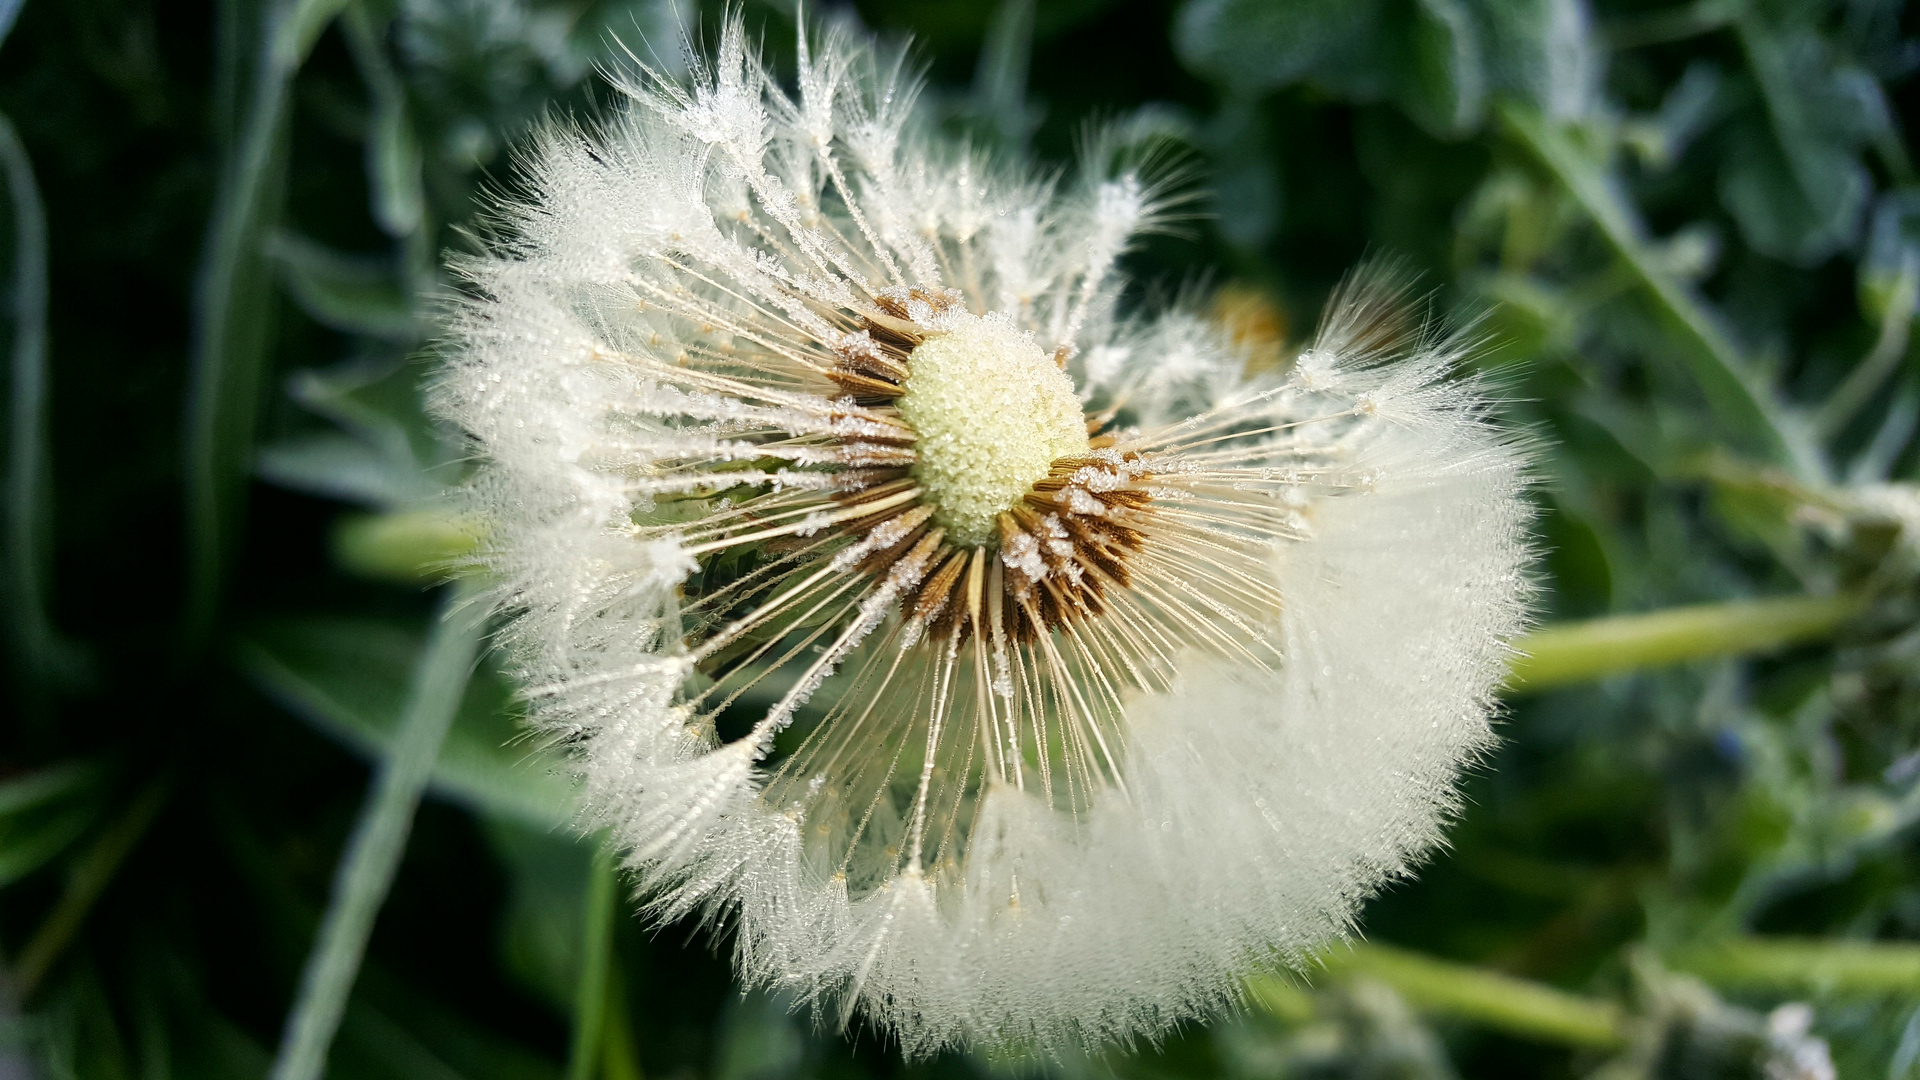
[(590, 998), (373, 852), (1464, 992), (1712, 358), (1580, 651), (1804, 965)]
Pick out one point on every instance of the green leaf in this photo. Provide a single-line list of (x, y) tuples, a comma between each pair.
[(542, 926), (1246, 183), (216, 1048), (1582, 574), (43, 813), (303, 22), (27, 845), (372, 1045), (79, 1032), (378, 401), (387, 1011), (1447, 89), (760, 1039), (53, 784), (232, 311), (394, 160), (1260, 45), (1742, 404), (1542, 52), (1893, 249), (336, 465), (356, 294), (1792, 176), (9, 11), (28, 507), (349, 679), (1694, 103), (1439, 60)]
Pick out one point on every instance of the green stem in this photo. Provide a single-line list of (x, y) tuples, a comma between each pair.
[(619, 1060), (1712, 359), (596, 946), (86, 883), (373, 852), (1812, 966), (27, 468), (228, 354), (1577, 652), (1463, 992)]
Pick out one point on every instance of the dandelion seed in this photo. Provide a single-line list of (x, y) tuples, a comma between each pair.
[(998, 679)]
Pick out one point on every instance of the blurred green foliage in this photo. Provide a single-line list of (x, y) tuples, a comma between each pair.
[(1692, 230)]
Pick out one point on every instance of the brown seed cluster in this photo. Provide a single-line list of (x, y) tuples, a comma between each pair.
[(1060, 550), (874, 360)]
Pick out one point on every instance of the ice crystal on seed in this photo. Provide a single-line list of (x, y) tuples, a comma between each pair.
[(1006, 672)]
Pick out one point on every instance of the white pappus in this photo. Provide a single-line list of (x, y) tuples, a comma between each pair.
[(898, 605)]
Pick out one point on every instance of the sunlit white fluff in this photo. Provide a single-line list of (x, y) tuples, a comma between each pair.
[(1264, 617)]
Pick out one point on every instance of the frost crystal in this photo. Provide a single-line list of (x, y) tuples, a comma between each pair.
[(996, 721)]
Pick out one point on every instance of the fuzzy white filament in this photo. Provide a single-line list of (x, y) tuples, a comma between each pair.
[(1008, 707)]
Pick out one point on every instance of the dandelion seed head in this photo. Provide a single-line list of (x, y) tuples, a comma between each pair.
[(1007, 670)]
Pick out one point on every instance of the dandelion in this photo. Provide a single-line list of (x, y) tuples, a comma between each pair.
[(1004, 671)]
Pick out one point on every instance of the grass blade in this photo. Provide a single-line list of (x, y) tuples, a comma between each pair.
[(89, 879), (596, 953), (27, 456), (373, 852), (232, 295)]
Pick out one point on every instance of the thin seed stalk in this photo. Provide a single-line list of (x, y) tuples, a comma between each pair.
[(379, 838)]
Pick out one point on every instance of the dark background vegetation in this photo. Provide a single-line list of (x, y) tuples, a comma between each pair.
[(227, 634)]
